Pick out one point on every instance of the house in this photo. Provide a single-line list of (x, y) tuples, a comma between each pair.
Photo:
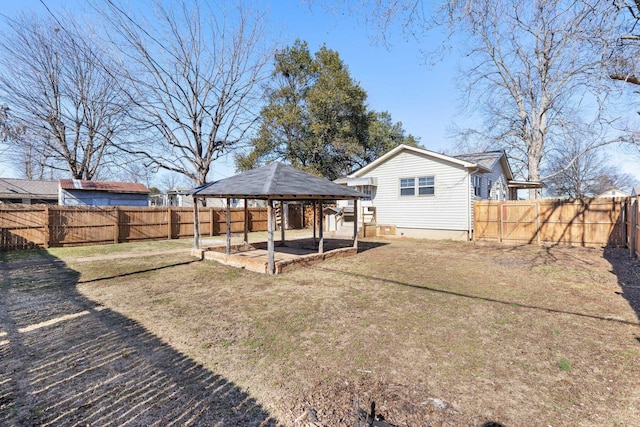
[(28, 191), (613, 192), (635, 191), (421, 193), (180, 197), (76, 192)]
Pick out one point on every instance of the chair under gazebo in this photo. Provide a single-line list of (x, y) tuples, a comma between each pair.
[(275, 182)]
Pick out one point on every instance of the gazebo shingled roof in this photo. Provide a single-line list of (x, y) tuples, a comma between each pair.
[(276, 181)]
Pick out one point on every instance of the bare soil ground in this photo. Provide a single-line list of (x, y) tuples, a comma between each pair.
[(435, 333)]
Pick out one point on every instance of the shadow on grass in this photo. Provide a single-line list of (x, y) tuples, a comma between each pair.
[(627, 270), (133, 273), (65, 360), (474, 297)]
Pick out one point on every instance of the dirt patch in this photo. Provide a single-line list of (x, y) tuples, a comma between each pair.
[(435, 333)]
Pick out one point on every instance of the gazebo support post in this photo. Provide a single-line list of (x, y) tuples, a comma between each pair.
[(270, 248), (228, 218), (246, 223), (321, 229), (196, 225), (355, 223), (282, 223), (315, 208)]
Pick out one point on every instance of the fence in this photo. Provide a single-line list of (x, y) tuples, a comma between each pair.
[(30, 226), (584, 222)]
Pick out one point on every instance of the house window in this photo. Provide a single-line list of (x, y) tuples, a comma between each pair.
[(489, 185), (426, 186), (365, 189), (407, 186), (477, 185)]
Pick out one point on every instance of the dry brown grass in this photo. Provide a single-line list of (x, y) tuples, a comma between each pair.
[(439, 333)]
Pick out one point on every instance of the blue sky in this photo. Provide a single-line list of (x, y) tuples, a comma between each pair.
[(395, 78)]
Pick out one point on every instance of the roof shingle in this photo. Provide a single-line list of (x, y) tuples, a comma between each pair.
[(28, 188)]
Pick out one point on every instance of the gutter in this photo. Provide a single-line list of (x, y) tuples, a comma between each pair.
[(469, 223)]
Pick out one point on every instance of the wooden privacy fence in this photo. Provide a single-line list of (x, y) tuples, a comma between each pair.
[(30, 226), (584, 222)]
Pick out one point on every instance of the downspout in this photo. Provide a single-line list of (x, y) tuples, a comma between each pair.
[(469, 223)]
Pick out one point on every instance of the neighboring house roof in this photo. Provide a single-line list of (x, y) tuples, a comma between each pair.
[(28, 189), (276, 181), (635, 191), (107, 186), (403, 147), (613, 192)]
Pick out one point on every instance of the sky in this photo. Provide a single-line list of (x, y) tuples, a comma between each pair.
[(395, 77)]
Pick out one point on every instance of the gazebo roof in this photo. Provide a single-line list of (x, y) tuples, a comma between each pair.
[(276, 181)]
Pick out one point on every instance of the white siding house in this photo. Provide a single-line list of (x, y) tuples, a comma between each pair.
[(425, 194)]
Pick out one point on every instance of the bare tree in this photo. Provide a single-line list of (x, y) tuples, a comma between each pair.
[(532, 70), (622, 57), (8, 131), (58, 85), (587, 175), (192, 75), (536, 74)]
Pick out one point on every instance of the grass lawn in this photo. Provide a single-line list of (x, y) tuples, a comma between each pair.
[(435, 332)]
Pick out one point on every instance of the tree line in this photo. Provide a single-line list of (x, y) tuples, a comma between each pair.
[(175, 89), (542, 77), (175, 93)]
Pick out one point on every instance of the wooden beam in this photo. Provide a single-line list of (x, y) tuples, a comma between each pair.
[(321, 229), (228, 245), (314, 222), (270, 249), (281, 222), (246, 223), (196, 225), (355, 223)]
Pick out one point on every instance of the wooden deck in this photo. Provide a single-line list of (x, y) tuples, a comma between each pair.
[(290, 255)]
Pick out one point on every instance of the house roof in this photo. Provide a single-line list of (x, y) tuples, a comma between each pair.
[(276, 181), (488, 159), (485, 161), (421, 151), (28, 189), (107, 186)]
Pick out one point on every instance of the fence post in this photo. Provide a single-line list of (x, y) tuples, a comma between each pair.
[(169, 224), (623, 222), (116, 231), (538, 238), (500, 221), (211, 219), (47, 228), (634, 220)]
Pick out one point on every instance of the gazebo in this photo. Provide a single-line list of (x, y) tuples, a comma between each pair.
[(274, 182)]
